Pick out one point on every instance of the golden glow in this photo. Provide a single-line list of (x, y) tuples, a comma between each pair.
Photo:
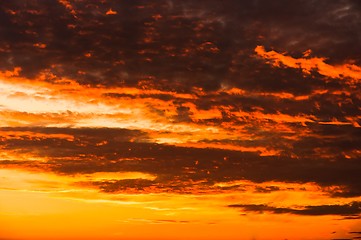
[(87, 214)]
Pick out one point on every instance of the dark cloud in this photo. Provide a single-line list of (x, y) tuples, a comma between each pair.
[(353, 208), (176, 45), (183, 114), (267, 189), (161, 184), (125, 185), (176, 168), (351, 218)]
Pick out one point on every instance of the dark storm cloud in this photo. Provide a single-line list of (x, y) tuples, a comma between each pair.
[(353, 208), (176, 45), (176, 168)]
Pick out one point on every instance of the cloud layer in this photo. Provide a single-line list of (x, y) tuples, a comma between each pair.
[(255, 102)]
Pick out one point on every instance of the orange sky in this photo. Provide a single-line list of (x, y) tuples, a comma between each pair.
[(180, 120)]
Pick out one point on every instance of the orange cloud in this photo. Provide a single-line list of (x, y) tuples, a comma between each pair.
[(40, 45), (13, 73), (69, 6), (279, 117), (111, 12), (308, 64), (262, 151)]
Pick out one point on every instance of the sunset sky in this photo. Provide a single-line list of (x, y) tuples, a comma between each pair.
[(180, 119)]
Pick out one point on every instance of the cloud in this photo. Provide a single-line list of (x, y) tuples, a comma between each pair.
[(307, 65), (160, 87), (169, 46), (177, 168), (351, 209), (158, 221), (126, 185)]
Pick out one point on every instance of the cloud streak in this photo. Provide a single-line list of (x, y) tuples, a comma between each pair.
[(350, 209)]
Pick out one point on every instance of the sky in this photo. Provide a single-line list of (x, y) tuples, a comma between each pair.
[(180, 119)]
